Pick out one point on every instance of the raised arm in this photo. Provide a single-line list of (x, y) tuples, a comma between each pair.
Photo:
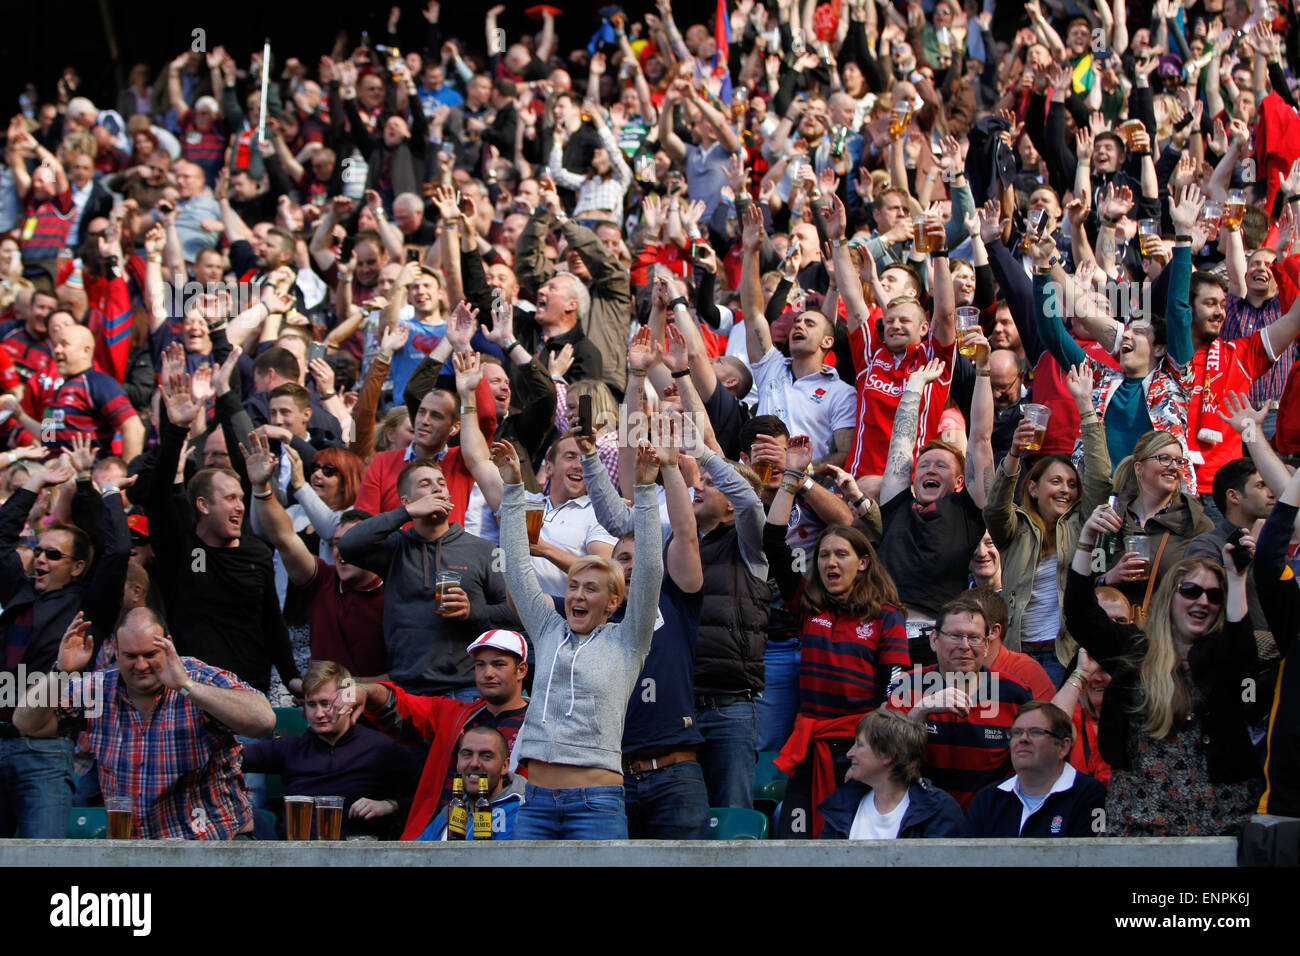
[(898, 463), (979, 449), (758, 334), (473, 446), (683, 557), (276, 525), (1248, 422)]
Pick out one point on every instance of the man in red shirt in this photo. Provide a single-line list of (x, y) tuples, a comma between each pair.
[(47, 199), (1221, 366), (883, 365), (435, 416)]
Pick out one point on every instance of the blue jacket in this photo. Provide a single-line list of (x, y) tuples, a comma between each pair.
[(931, 813), (1068, 811), (505, 805)]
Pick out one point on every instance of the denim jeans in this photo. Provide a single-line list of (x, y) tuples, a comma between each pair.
[(779, 702), (35, 787), (1049, 661), (668, 804), (729, 756), (584, 813), (465, 694), (1211, 509)]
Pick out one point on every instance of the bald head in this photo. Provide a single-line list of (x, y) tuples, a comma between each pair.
[(1005, 376), (74, 349)]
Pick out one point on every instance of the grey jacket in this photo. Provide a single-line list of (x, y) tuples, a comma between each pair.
[(576, 714), (426, 652)]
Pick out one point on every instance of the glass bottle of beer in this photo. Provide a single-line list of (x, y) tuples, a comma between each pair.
[(482, 812), (457, 811)]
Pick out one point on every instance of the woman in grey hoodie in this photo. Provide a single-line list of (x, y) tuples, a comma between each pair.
[(586, 667)]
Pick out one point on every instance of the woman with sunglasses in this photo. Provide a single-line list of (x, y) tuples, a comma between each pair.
[(1173, 725), (324, 494), (1150, 499)]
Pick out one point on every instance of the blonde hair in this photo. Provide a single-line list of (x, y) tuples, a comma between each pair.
[(612, 571), (604, 410), (1165, 696), (1150, 443)]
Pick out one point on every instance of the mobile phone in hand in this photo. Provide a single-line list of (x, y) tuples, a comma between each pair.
[(585, 423), (1240, 556)]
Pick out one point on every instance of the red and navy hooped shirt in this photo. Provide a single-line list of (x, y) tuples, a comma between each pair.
[(965, 754), (847, 663), (91, 402)]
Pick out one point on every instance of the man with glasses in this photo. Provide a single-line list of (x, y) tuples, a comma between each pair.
[(966, 708), (1045, 797)]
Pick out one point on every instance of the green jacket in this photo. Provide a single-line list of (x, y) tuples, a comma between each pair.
[(1019, 540)]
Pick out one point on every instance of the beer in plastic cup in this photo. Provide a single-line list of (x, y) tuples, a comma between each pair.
[(1129, 130), (968, 320), (1141, 544), (1234, 207), (297, 817), (920, 240), (1038, 414), (1149, 236), (766, 471), (445, 580), (329, 818), (121, 816)]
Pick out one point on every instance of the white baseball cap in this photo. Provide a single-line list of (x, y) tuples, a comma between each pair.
[(502, 640)]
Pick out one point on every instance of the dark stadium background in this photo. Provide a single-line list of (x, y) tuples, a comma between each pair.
[(40, 38)]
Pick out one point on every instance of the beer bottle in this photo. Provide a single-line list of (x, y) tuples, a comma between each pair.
[(482, 812), (457, 811)]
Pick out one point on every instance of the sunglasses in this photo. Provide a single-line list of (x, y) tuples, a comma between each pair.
[(51, 554), (1193, 591), (329, 471)]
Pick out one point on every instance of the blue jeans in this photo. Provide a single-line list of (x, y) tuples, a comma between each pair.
[(1211, 509), (779, 702), (584, 813), (668, 804), (35, 787), (729, 756), (1048, 659), (465, 694)]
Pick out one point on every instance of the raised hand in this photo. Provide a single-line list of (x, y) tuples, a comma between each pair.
[(221, 378), (1079, 381), (1188, 208), (260, 463), (77, 646), (798, 453), (1245, 419), (931, 371), (647, 464), (506, 459), (673, 354), (1115, 203), (447, 202), (82, 452), (753, 234), (468, 373), (394, 338), (641, 350), (560, 362), (836, 218), (201, 389), (461, 325)]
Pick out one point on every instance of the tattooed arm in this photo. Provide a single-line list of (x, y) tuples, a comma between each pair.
[(898, 465)]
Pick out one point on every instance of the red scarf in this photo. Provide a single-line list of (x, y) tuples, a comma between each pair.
[(813, 734)]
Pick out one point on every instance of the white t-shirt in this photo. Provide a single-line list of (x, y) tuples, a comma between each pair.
[(571, 526), (815, 405), (870, 824)]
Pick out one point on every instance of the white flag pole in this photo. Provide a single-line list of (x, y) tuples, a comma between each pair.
[(266, 78)]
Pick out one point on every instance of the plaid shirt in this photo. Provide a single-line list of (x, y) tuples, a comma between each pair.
[(606, 442), (1244, 320), (181, 765)]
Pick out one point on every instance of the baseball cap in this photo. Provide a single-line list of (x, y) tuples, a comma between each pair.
[(502, 640)]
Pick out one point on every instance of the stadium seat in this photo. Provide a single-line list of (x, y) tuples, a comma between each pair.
[(769, 782), (88, 823), (736, 823), (289, 722)]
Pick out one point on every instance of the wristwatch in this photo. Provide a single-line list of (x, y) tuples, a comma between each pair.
[(674, 303), (184, 689)]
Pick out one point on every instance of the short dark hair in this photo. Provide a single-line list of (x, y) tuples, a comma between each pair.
[(1234, 476), (82, 550), (498, 738), (1205, 278), (965, 603), (1058, 721), (404, 479), (761, 425), (301, 397), (200, 485), (354, 514), (995, 607), (276, 359), (741, 371)]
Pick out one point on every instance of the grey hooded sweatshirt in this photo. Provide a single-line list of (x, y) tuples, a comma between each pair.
[(582, 682)]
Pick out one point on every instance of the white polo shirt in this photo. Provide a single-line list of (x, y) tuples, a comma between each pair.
[(572, 527), (815, 405)]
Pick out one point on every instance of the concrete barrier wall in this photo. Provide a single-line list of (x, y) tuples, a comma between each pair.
[(1178, 852)]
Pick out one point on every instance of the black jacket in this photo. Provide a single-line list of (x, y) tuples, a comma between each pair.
[(996, 812), (733, 622), (1219, 665), (931, 812), (1281, 600), (98, 595)]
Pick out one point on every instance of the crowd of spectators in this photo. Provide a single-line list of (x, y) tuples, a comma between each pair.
[(903, 392)]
